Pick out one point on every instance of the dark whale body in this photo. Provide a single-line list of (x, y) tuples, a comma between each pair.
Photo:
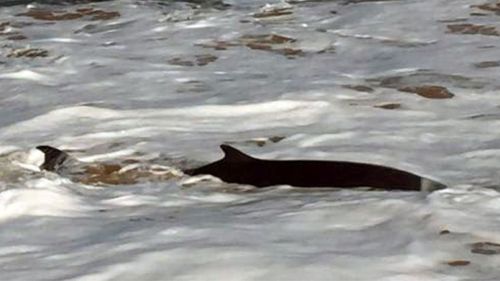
[(237, 167)]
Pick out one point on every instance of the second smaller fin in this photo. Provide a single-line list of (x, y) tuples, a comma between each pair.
[(54, 157)]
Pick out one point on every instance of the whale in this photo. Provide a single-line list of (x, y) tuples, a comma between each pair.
[(238, 167)]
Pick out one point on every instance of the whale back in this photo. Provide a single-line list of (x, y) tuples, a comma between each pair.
[(238, 167)]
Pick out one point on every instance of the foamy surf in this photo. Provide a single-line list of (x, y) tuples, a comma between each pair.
[(148, 88)]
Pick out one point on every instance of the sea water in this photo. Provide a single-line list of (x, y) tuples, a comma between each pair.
[(407, 84)]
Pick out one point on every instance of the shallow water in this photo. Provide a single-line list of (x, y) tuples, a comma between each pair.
[(164, 84)]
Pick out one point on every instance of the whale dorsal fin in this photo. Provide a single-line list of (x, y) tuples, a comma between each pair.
[(232, 154), (53, 157)]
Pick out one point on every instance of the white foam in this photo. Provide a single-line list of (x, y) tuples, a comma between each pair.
[(120, 94), (38, 202), (28, 75)]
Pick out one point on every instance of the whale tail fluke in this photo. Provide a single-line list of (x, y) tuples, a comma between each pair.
[(54, 157)]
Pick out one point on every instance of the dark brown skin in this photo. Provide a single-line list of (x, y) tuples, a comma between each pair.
[(237, 167)]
